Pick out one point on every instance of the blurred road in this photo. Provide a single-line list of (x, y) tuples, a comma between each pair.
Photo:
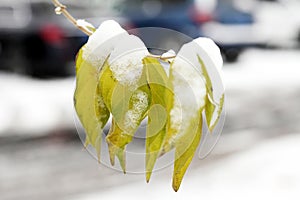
[(256, 157)]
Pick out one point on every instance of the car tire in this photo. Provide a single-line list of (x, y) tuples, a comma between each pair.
[(231, 55), (298, 39)]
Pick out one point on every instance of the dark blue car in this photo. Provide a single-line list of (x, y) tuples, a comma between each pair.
[(232, 29), (188, 18), (172, 14), (178, 15)]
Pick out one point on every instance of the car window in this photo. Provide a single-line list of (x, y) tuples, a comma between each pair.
[(129, 6), (42, 9), (141, 2), (6, 12), (13, 15)]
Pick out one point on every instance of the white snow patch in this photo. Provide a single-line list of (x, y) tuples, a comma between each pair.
[(35, 107), (83, 23), (139, 106), (269, 170), (189, 83), (125, 52), (189, 91), (212, 50), (125, 60), (169, 53), (264, 69), (210, 54), (102, 42)]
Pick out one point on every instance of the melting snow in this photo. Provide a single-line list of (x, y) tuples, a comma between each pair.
[(189, 85), (126, 60), (139, 106), (102, 42)]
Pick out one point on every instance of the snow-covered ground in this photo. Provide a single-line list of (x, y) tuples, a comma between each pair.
[(35, 107), (267, 171), (256, 157), (259, 69)]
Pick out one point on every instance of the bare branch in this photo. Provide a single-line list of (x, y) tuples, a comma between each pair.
[(62, 9), (166, 59)]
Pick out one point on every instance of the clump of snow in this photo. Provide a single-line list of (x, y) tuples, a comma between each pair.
[(100, 102), (189, 92), (210, 54), (125, 60), (212, 50), (168, 55), (139, 106), (212, 58), (83, 23), (102, 42), (125, 51), (166, 65), (189, 83)]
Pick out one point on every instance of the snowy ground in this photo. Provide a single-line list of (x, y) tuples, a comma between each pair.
[(256, 157), (34, 107)]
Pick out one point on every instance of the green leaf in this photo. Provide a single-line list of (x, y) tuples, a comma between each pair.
[(128, 107), (210, 104), (117, 140), (88, 102), (219, 111), (185, 149), (184, 129), (157, 81), (168, 143)]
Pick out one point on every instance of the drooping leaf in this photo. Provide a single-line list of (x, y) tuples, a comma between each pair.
[(88, 99), (219, 111), (122, 132), (186, 146), (88, 102), (187, 103), (210, 106), (128, 107), (157, 81), (171, 132), (115, 138)]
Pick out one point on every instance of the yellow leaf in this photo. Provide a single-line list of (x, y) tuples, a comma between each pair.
[(157, 81), (88, 102), (185, 148), (128, 107), (210, 104), (184, 127)]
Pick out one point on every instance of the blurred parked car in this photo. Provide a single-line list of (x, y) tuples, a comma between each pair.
[(36, 41), (177, 15), (279, 22), (233, 28)]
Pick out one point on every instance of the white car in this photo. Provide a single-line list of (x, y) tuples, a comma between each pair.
[(276, 23), (233, 28), (279, 22)]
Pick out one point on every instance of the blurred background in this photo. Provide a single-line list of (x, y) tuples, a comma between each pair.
[(257, 156)]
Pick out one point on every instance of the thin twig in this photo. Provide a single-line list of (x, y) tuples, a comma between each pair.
[(166, 59), (62, 9)]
